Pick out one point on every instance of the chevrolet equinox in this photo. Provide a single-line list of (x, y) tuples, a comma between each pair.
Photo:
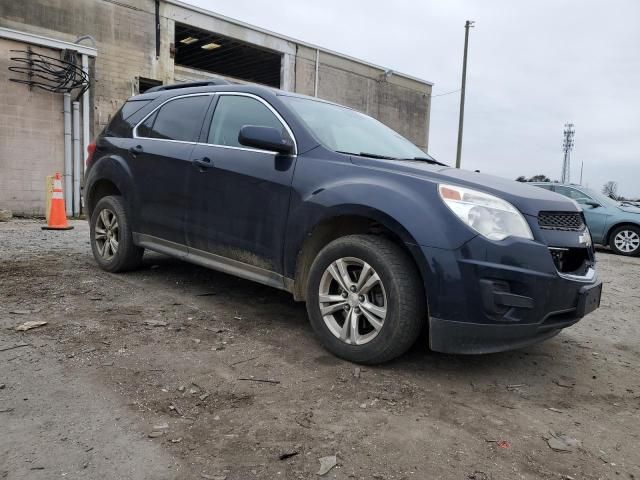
[(379, 239)]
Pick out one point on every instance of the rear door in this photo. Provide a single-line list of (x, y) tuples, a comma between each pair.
[(160, 163), (239, 196)]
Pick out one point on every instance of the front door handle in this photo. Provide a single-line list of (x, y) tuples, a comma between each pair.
[(203, 163), (136, 150)]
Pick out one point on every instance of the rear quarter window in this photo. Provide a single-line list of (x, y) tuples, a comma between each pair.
[(121, 123), (179, 119)]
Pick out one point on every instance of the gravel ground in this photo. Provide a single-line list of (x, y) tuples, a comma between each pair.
[(155, 374)]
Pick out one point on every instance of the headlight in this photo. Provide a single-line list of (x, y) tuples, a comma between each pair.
[(488, 215)]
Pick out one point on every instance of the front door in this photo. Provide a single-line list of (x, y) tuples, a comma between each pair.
[(161, 161), (238, 196)]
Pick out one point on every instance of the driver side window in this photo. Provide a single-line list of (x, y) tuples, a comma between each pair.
[(574, 194), (234, 112)]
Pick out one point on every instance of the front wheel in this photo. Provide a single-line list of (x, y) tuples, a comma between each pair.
[(111, 237), (365, 299), (625, 240)]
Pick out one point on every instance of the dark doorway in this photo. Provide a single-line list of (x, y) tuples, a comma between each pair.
[(196, 48)]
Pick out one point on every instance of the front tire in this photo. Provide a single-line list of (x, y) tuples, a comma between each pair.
[(625, 240), (365, 299), (111, 237)]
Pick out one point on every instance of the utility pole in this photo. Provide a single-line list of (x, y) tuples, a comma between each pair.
[(467, 26), (567, 146), (581, 170)]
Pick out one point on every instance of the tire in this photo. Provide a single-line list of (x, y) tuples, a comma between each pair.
[(123, 255), (625, 240), (399, 294)]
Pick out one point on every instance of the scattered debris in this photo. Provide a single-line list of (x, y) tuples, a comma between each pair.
[(213, 477), (176, 440), (562, 443), (181, 388), (304, 419), (29, 325), (2, 386), (555, 410), (6, 410), (237, 318), (204, 396), (499, 443), (564, 382), (89, 350), (356, 372), (326, 464), (156, 434), (20, 312), (478, 475), (516, 386), (196, 340), (155, 323), (19, 345), (162, 426), (173, 408), (259, 380), (107, 364), (242, 361), (289, 454), (5, 215)]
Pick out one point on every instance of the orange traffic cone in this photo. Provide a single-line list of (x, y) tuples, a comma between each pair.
[(57, 215)]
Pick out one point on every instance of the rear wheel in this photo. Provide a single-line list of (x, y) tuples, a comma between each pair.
[(365, 299), (111, 237), (625, 240)]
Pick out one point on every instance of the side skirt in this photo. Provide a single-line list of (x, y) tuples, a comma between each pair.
[(214, 262)]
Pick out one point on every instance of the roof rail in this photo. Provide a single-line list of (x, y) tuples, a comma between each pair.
[(174, 86)]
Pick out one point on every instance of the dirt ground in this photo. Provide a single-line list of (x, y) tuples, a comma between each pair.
[(154, 375)]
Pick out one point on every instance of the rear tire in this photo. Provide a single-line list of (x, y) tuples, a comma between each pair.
[(375, 311), (625, 240), (111, 237)]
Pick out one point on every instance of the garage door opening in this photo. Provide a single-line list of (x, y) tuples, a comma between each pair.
[(211, 52)]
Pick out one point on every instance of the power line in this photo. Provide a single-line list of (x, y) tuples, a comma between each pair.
[(443, 94)]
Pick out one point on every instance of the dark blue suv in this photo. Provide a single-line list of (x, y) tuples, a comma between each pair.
[(379, 239)]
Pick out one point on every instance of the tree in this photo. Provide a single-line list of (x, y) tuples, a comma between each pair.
[(610, 189), (535, 178)]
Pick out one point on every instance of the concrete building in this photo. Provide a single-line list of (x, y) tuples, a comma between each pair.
[(132, 45)]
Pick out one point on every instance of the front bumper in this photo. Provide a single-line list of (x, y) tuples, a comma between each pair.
[(488, 297)]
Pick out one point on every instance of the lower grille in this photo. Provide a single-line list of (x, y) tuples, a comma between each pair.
[(575, 261), (568, 221)]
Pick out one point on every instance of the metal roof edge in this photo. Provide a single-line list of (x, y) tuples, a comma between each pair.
[(240, 23), (42, 41)]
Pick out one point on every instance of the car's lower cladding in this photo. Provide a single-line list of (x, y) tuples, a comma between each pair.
[(492, 299)]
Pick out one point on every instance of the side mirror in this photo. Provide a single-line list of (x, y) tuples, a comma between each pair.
[(265, 138), (592, 204)]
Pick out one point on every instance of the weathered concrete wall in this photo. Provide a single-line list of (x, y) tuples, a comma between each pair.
[(31, 138), (124, 34), (399, 102), (124, 31)]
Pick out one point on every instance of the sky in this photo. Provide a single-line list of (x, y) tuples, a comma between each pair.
[(533, 66)]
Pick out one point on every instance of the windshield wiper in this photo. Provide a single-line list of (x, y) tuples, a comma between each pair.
[(431, 161), (369, 155)]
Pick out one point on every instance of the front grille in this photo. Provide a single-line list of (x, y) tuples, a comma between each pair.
[(568, 221)]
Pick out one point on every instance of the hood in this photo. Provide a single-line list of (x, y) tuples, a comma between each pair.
[(629, 209), (528, 199)]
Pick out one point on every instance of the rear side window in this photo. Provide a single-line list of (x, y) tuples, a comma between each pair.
[(121, 124), (572, 193), (234, 112), (179, 119)]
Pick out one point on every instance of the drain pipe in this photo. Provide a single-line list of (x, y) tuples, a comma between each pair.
[(68, 162), (77, 159)]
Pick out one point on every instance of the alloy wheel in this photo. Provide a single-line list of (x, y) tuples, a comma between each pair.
[(627, 241), (107, 234), (353, 301)]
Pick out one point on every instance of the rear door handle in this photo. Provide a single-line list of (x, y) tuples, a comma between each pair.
[(137, 149), (203, 163)]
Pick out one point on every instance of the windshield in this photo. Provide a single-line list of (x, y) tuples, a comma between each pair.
[(348, 131), (600, 198)]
